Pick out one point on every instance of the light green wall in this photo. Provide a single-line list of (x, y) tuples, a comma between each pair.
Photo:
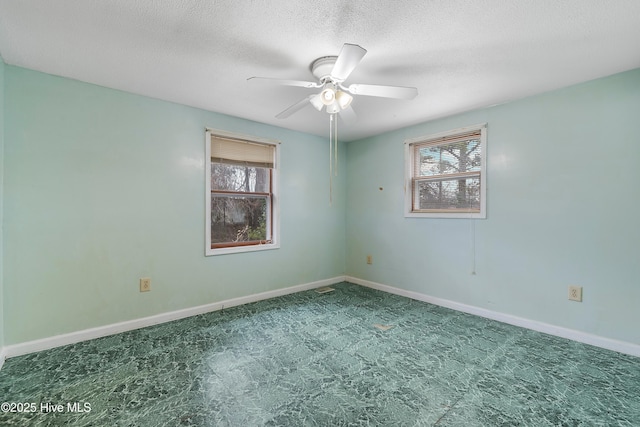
[(563, 203), (103, 187), (1, 201)]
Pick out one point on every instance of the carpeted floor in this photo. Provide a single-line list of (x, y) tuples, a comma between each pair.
[(351, 357)]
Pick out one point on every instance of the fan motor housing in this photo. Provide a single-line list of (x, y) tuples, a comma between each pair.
[(321, 67)]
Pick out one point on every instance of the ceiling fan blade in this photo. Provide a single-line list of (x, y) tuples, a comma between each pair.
[(284, 82), (295, 107), (349, 57), (348, 116), (399, 92)]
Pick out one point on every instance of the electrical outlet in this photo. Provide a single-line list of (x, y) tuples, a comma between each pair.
[(145, 284), (575, 293), (369, 259)]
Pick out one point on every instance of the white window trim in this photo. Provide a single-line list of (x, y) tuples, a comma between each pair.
[(275, 231), (408, 167)]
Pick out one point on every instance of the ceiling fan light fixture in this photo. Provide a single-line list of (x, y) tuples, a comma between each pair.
[(343, 99), (328, 94), (333, 108), (316, 101)]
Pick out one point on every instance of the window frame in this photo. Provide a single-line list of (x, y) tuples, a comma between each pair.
[(272, 198), (409, 189)]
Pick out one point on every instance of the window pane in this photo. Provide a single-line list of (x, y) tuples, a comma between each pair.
[(463, 156), (462, 193), (239, 178), (238, 219)]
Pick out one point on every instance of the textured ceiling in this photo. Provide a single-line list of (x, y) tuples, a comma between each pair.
[(460, 55)]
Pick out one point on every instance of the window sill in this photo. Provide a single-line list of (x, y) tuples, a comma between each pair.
[(468, 215), (240, 249)]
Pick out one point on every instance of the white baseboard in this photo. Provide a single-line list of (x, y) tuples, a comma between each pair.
[(116, 328), (583, 337), (102, 331)]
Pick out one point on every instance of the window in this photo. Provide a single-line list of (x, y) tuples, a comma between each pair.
[(241, 197), (446, 174)]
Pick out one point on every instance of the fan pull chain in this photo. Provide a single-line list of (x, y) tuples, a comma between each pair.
[(331, 125), (333, 153), (330, 159), (335, 142)]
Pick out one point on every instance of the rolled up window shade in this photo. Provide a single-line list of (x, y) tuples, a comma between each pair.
[(241, 152), (421, 162)]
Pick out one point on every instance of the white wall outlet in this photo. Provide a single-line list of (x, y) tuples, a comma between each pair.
[(369, 259), (575, 293), (145, 284)]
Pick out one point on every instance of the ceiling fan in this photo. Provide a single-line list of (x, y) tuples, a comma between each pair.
[(335, 97)]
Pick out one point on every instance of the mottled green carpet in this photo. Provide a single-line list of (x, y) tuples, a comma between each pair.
[(312, 359)]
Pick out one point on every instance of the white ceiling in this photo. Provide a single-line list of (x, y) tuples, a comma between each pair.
[(460, 54)]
